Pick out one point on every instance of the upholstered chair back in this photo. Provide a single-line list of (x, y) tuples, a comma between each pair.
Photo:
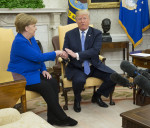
[(6, 39)]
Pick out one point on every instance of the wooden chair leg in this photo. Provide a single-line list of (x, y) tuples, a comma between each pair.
[(23, 102), (65, 107), (111, 101)]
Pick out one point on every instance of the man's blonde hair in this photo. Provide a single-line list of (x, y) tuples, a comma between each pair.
[(81, 12), (23, 20)]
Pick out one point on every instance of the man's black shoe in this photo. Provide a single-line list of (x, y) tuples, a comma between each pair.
[(98, 100), (76, 106)]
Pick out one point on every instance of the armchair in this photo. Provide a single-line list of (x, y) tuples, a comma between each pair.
[(11, 118), (67, 84), (6, 39)]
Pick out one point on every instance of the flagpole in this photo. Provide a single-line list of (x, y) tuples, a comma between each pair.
[(132, 51)]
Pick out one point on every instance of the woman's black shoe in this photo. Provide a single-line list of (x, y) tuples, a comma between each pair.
[(52, 122), (66, 122)]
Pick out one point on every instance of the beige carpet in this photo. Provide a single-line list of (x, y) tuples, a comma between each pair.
[(92, 116)]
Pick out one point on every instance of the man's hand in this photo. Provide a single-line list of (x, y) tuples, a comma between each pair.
[(71, 53), (46, 74), (64, 55)]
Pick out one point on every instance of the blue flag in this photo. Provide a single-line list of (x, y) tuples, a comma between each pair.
[(134, 19), (75, 5)]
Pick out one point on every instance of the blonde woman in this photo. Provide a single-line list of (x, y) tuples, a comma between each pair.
[(27, 60)]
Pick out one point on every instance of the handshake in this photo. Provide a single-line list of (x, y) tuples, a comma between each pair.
[(64, 54)]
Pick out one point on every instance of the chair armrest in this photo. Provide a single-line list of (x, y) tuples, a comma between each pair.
[(102, 58), (63, 61), (60, 59)]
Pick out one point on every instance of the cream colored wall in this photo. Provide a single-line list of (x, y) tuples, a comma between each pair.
[(56, 3), (97, 15)]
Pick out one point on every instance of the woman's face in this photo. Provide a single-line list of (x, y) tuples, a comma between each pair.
[(30, 29)]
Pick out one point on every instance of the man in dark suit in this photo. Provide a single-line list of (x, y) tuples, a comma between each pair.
[(83, 47)]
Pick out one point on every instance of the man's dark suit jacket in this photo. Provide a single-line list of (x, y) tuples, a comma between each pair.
[(92, 49)]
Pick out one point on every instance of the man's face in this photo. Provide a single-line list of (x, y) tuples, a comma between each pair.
[(83, 21)]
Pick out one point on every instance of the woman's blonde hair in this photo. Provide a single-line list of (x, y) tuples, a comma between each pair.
[(23, 20)]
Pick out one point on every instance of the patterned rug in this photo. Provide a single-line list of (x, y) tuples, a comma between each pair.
[(38, 105)]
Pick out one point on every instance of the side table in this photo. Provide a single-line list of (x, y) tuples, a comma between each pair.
[(122, 44), (136, 118), (12, 87)]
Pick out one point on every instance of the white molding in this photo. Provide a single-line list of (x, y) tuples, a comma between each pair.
[(146, 34), (30, 10), (123, 37), (119, 37)]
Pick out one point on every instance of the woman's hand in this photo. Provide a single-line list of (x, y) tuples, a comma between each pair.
[(46, 74), (62, 54), (58, 52)]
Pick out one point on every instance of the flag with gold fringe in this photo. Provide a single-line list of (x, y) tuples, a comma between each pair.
[(75, 5), (134, 19)]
